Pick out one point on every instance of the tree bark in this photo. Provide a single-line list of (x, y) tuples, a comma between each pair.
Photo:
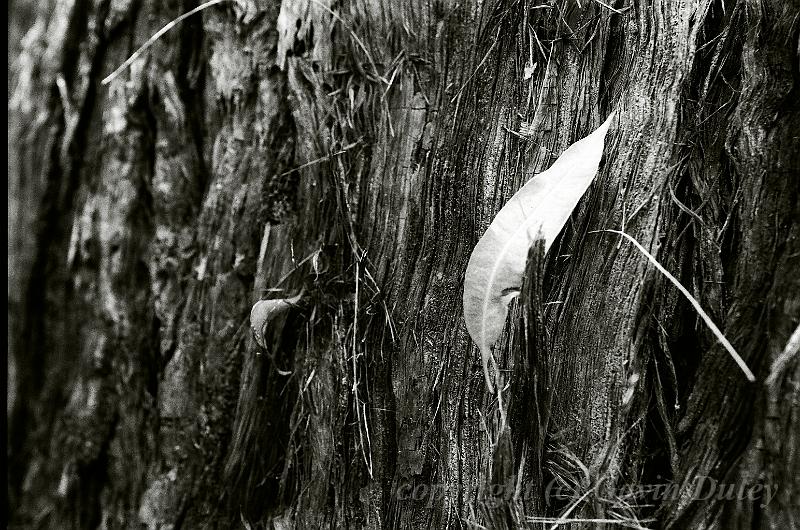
[(353, 153)]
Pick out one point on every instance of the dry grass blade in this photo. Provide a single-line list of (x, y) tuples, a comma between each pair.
[(790, 351), (617, 11), (113, 75), (707, 319)]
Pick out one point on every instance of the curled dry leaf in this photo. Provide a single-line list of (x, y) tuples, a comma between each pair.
[(540, 209), (264, 311)]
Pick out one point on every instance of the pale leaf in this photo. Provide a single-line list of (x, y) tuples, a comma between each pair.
[(540, 209)]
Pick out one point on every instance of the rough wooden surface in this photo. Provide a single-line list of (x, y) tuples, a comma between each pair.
[(355, 152)]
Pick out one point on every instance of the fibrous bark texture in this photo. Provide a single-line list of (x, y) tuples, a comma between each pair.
[(352, 153)]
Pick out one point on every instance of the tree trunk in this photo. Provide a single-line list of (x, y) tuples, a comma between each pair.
[(353, 153)]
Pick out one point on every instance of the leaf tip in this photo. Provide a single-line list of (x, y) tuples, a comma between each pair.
[(487, 357)]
